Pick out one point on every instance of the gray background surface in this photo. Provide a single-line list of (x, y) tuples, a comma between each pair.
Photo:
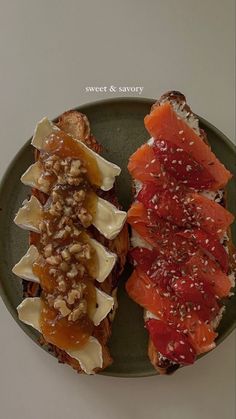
[(50, 51)]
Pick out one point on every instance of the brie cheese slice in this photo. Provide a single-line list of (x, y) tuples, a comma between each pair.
[(23, 268), (108, 219), (89, 356), (108, 170), (106, 260), (30, 215), (32, 175), (105, 304)]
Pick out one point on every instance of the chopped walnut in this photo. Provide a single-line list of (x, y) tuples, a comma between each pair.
[(47, 225), (85, 217), (64, 266), (73, 295), (67, 210), (73, 272), (52, 162), (75, 248), (50, 299), (75, 168), (61, 234), (56, 197), (61, 284), (68, 228), (44, 183), (52, 271), (48, 250), (66, 255), (76, 232), (69, 200), (53, 260), (63, 221), (74, 181), (56, 208), (86, 253), (78, 311), (79, 196), (60, 305)]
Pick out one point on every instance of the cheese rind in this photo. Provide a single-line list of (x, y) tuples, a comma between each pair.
[(106, 260)]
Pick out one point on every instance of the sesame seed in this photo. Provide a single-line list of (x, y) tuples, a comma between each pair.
[(191, 143), (181, 131)]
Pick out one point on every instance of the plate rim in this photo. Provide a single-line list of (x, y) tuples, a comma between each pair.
[(7, 302)]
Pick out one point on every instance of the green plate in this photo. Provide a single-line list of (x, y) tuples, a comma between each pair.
[(118, 125)]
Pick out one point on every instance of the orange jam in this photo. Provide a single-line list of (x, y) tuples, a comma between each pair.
[(63, 145), (63, 333), (41, 270), (90, 202)]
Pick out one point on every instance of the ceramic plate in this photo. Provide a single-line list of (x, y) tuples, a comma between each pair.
[(118, 125)]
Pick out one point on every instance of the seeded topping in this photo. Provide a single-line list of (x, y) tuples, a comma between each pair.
[(183, 276)]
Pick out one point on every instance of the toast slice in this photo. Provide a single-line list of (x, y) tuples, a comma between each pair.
[(77, 125), (178, 103)]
